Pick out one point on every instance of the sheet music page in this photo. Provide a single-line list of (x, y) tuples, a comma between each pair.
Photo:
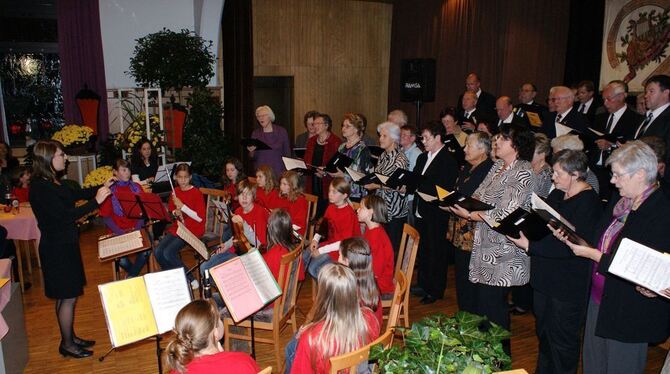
[(562, 129), (642, 265), (128, 311), (332, 247), (441, 192), (426, 197), (118, 244), (382, 178), (596, 132), (222, 207), (236, 288), (265, 283), (168, 292), (293, 163), (355, 175), (192, 240), (538, 204), (489, 221)]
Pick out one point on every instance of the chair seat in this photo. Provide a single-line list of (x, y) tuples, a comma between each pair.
[(263, 315)]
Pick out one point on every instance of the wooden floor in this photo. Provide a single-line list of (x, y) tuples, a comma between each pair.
[(43, 335)]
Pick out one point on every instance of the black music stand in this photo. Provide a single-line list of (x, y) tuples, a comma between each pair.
[(143, 205)]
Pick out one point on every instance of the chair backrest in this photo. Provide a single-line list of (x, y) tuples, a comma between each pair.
[(312, 201), (352, 360), (213, 221), (267, 370), (288, 281), (252, 179), (409, 245), (401, 285)]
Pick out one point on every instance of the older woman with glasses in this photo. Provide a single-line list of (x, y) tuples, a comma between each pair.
[(622, 318), (273, 135), (354, 148)]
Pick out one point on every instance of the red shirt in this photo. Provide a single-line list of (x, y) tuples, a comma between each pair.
[(296, 209), (222, 362), (21, 193), (382, 258), (193, 199), (342, 224), (273, 259), (257, 218), (265, 199), (303, 360), (107, 210)]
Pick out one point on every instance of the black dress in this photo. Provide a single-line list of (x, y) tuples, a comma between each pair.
[(54, 208)]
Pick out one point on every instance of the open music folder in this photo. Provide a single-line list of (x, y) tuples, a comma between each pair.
[(116, 246), (246, 284), (298, 165), (446, 198), (339, 161), (642, 265), (192, 240), (401, 177), (253, 142), (141, 307)]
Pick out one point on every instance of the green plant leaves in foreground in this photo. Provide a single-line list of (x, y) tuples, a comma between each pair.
[(465, 343)]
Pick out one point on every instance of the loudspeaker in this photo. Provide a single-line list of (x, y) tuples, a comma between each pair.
[(417, 80)]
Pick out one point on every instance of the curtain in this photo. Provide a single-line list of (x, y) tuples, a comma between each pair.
[(506, 42), (238, 72), (81, 59), (585, 41)]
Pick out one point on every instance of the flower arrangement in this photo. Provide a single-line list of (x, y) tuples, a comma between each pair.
[(73, 135), (137, 130), (98, 176)]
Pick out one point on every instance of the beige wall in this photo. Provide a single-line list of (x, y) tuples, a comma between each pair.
[(336, 50)]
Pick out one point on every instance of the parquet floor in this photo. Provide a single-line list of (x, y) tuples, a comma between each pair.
[(43, 335)]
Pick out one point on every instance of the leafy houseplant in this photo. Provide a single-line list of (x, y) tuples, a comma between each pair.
[(466, 343)]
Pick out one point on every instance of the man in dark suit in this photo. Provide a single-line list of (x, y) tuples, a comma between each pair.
[(505, 112), (565, 118), (527, 103), (439, 168), (621, 122), (588, 102), (657, 120), (486, 102), (471, 116)]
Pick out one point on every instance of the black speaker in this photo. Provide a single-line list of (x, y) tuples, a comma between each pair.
[(417, 80)]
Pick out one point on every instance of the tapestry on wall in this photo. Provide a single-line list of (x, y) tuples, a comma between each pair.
[(635, 43)]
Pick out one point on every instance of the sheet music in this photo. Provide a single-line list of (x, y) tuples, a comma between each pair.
[(164, 171), (642, 265), (293, 163), (596, 132), (383, 178), (236, 288), (426, 197), (538, 204), (355, 175), (441, 192), (332, 247), (562, 129), (261, 277), (168, 292), (222, 207), (192, 240), (118, 244)]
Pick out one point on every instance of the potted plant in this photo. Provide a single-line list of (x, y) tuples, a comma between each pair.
[(75, 138), (465, 343)]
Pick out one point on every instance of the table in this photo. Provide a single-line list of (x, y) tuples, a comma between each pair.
[(22, 228)]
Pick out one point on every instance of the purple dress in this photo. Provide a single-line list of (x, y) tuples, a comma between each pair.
[(278, 141)]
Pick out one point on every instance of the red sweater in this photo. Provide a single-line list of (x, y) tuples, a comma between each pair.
[(222, 362), (265, 199), (329, 150), (303, 359), (273, 259), (257, 218), (21, 193), (296, 209), (382, 258), (193, 199), (107, 210), (342, 224)]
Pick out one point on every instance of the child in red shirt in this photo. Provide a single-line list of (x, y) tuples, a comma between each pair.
[(265, 186), (372, 212), (350, 326), (188, 205), (117, 223), (291, 199), (355, 253), (21, 183), (195, 349), (233, 173), (342, 223)]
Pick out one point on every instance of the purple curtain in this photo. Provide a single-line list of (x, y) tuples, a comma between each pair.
[(81, 60)]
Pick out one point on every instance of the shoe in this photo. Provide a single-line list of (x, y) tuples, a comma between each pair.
[(83, 342), (195, 284), (428, 300), (417, 291), (80, 353)]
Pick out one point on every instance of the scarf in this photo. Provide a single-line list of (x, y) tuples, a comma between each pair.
[(116, 204), (621, 211)]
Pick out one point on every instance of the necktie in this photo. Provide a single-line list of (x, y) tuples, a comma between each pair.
[(467, 115), (609, 123), (582, 108), (644, 126), (559, 118)]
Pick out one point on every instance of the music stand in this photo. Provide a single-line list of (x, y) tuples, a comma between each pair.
[(143, 205)]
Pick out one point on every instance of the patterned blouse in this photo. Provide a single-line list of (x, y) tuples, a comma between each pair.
[(543, 185), (495, 260), (361, 156), (396, 202)]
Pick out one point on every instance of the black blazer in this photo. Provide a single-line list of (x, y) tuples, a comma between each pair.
[(625, 314), (486, 103), (660, 126), (593, 109), (518, 121), (521, 109), (478, 116), (442, 171), (626, 126), (573, 119)]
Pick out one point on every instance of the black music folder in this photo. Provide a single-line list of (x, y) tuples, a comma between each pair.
[(401, 177), (362, 178), (253, 142), (339, 161), (454, 147), (446, 198)]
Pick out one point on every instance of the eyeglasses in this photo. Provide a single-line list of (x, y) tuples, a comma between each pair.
[(616, 175), (555, 99)]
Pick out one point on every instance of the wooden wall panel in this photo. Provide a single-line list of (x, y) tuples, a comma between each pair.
[(337, 51)]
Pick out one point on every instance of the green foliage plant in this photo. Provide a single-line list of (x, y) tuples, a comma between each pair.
[(465, 343)]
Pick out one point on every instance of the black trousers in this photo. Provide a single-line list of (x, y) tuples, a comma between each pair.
[(558, 326), (522, 296), (491, 302), (466, 291), (603, 175), (433, 254)]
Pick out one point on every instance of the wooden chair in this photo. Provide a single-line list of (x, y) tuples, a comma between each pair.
[(213, 224), (409, 245), (283, 312), (401, 286), (267, 370), (352, 360), (312, 201)]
